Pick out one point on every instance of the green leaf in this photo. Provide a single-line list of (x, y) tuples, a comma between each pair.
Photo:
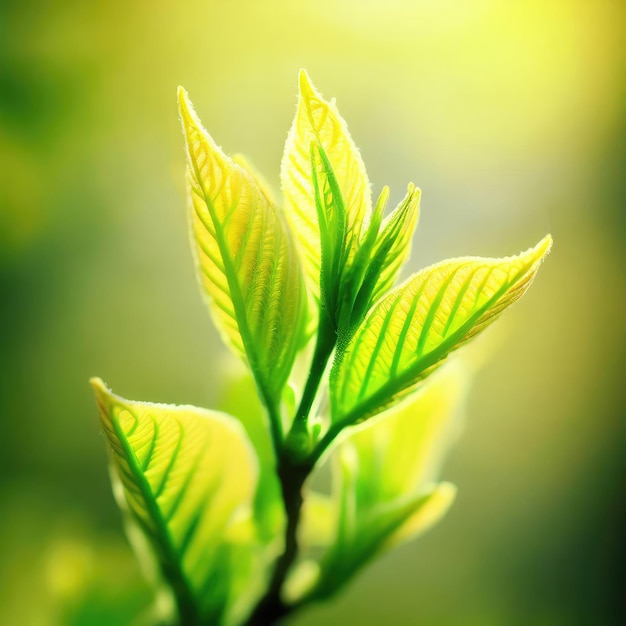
[(381, 255), (365, 534), (351, 535), (333, 229), (189, 478), (434, 505), (412, 329), (318, 121), (357, 269), (247, 262), (394, 242), (415, 434), (383, 490)]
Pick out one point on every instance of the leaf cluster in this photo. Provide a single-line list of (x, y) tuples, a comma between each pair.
[(225, 513)]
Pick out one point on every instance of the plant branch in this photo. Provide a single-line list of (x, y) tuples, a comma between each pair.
[(276, 428), (325, 441), (271, 608), (292, 473)]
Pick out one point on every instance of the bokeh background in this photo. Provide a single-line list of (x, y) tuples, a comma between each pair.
[(511, 117)]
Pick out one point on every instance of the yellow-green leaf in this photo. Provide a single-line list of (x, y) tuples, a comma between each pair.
[(380, 256), (403, 450), (247, 262), (258, 178), (426, 516), (366, 534), (383, 489), (189, 478), (412, 329), (332, 226), (319, 121), (395, 240)]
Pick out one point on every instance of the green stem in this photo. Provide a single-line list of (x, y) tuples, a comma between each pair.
[(276, 427), (324, 346), (292, 474), (325, 441), (272, 608)]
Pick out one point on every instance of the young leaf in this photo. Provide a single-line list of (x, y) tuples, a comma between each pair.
[(415, 434), (394, 243), (381, 255), (412, 329), (436, 504), (383, 492), (258, 178), (332, 224), (189, 477), (364, 534), (319, 121), (247, 261), (353, 277)]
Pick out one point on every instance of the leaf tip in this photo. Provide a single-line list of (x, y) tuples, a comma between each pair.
[(447, 492), (414, 193), (309, 95), (383, 198), (438, 504), (97, 384), (103, 394), (537, 255), (304, 83), (545, 245), (183, 100), (185, 108)]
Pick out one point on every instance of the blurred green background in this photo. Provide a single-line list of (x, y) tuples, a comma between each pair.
[(511, 117)]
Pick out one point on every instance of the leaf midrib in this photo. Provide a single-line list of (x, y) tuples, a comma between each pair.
[(235, 291), (185, 600)]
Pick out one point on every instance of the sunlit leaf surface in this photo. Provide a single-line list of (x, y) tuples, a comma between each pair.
[(189, 478), (319, 121), (412, 329), (247, 261)]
